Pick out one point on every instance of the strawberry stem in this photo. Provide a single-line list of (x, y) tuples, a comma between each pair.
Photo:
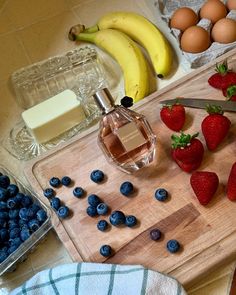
[(222, 69), (183, 140), (214, 109), (231, 90)]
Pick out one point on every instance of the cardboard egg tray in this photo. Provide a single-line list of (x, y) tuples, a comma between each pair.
[(167, 8)]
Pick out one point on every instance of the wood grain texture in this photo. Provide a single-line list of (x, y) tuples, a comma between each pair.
[(207, 234)]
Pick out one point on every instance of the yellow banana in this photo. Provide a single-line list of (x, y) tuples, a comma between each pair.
[(126, 53), (144, 32)]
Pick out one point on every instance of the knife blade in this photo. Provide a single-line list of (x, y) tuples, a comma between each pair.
[(227, 105)]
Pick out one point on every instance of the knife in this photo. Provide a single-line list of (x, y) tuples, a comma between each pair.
[(199, 103)]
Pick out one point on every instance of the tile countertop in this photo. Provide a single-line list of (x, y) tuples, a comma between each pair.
[(34, 30)]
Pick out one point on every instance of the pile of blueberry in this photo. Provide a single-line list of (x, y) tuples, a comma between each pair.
[(19, 217), (55, 202)]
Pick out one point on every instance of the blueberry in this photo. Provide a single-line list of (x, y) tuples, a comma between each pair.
[(34, 224), (41, 215), (23, 214), (4, 181), (24, 234), (49, 193), (35, 208), (14, 233), (19, 197), (126, 188), (30, 213), (66, 180), (12, 190), (3, 215), (12, 249), (3, 256), (12, 223), (13, 213), (23, 224), (106, 250), (130, 220), (16, 241), (161, 194), (102, 209), (92, 211), (117, 218), (3, 205), (102, 225), (3, 223), (155, 234), (173, 246), (97, 176), (127, 101), (55, 182), (12, 203), (26, 201), (63, 212), (94, 200), (78, 192), (3, 194), (3, 234), (55, 203)]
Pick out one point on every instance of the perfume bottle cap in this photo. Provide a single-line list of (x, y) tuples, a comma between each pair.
[(104, 100)]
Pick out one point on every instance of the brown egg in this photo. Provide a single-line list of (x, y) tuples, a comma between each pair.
[(195, 39), (231, 4), (183, 18), (224, 31), (213, 10)]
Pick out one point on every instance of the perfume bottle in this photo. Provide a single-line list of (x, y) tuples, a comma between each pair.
[(125, 136)]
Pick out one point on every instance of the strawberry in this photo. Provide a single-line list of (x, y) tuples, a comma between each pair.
[(173, 116), (230, 92), (231, 185), (223, 78), (215, 127), (187, 151), (204, 185)]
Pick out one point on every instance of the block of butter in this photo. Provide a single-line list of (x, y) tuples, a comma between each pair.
[(53, 116)]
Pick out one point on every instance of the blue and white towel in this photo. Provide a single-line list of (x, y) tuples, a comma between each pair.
[(99, 279)]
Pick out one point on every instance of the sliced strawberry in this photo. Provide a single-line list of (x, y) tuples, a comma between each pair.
[(215, 127), (173, 116), (204, 185), (231, 185), (187, 151)]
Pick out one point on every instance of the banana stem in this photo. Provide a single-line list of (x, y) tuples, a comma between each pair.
[(92, 29), (75, 30), (89, 37)]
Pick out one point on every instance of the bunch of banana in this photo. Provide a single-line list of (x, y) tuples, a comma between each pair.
[(115, 33)]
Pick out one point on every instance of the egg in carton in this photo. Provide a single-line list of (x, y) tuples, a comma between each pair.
[(195, 60)]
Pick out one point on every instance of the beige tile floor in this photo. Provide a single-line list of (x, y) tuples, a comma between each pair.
[(32, 30)]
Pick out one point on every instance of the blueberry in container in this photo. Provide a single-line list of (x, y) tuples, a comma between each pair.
[(24, 236)]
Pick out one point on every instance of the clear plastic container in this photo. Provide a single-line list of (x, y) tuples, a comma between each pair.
[(29, 245)]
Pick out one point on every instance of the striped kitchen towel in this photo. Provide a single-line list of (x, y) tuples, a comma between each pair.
[(100, 279)]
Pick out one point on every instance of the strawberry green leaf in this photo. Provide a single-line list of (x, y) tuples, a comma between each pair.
[(214, 109), (222, 68), (183, 140), (231, 90)]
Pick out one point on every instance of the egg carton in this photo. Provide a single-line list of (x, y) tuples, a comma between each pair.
[(195, 60)]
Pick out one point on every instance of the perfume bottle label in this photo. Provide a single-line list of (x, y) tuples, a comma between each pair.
[(130, 136)]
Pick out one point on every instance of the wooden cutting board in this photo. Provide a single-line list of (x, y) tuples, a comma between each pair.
[(207, 234)]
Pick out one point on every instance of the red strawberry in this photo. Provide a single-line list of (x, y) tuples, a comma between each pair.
[(204, 185), (223, 78), (231, 185), (215, 127), (173, 116), (187, 151), (230, 92)]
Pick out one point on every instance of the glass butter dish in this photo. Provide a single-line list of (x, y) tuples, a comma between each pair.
[(20, 254), (78, 70)]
